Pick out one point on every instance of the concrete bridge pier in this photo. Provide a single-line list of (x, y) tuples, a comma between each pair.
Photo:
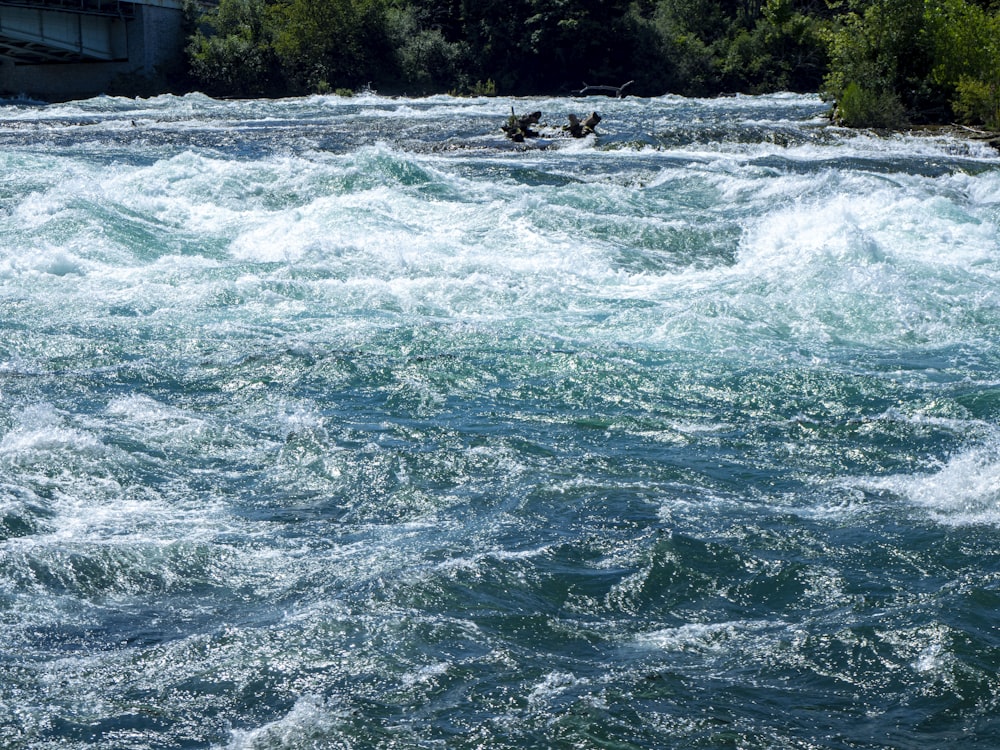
[(56, 50)]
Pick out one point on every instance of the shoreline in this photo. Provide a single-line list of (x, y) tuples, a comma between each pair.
[(967, 132)]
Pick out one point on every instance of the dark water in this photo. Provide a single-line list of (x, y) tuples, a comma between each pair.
[(345, 423)]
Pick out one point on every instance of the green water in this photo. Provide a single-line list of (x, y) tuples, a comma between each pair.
[(345, 423)]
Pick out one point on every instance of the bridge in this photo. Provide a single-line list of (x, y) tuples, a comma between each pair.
[(71, 48)]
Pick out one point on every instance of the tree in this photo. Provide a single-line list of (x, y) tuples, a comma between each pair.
[(497, 40), (880, 65), (784, 51), (425, 59), (230, 52), (577, 40), (329, 43), (966, 42)]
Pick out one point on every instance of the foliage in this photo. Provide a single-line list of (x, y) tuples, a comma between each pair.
[(978, 102), (865, 108), (426, 60), (574, 35), (230, 51), (328, 42), (916, 59), (785, 50), (879, 62), (484, 88), (966, 42)]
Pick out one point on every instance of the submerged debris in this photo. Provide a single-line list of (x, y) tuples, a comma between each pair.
[(616, 91), (579, 129), (519, 128)]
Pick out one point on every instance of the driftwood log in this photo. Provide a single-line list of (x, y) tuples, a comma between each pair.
[(988, 137), (578, 128), (616, 91), (519, 128)]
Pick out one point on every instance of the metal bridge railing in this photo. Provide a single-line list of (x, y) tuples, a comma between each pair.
[(117, 8)]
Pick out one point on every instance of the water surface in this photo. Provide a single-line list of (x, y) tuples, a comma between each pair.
[(347, 423)]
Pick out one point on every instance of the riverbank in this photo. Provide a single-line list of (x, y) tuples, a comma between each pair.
[(965, 132)]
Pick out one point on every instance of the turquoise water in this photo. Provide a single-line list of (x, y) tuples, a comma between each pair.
[(345, 423)]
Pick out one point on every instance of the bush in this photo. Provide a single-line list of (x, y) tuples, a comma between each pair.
[(978, 102), (231, 52), (430, 62), (784, 52), (862, 108), (489, 88), (966, 43), (882, 52)]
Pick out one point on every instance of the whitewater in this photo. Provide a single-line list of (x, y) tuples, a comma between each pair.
[(348, 423)]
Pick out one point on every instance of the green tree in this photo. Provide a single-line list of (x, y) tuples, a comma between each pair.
[(323, 44), (498, 42), (966, 43), (230, 52), (571, 41), (884, 62), (426, 60), (785, 51), (880, 65), (688, 33)]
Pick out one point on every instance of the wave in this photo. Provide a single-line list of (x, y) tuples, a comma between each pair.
[(345, 423), (964, 490)]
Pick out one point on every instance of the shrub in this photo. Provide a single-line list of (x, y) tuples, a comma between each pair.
[(231, 52), (863, 108), (966, 43), (978, 102), (880, 65)]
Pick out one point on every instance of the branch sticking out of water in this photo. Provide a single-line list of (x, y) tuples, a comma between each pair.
[(616, 91)]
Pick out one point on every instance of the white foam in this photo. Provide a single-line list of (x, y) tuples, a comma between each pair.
[(719, 637), (426, 674), (311, 722), (157, 423), (882, 267), (932, 660), (824, 257), (965, 490), (41, 432), (553, 685)]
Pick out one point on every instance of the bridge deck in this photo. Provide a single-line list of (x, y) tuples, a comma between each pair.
[(100, 7), (35, 32)]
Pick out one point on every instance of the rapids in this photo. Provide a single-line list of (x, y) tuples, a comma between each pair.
[(347, 423)]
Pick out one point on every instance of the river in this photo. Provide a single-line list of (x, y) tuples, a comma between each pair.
[(347, 423)]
